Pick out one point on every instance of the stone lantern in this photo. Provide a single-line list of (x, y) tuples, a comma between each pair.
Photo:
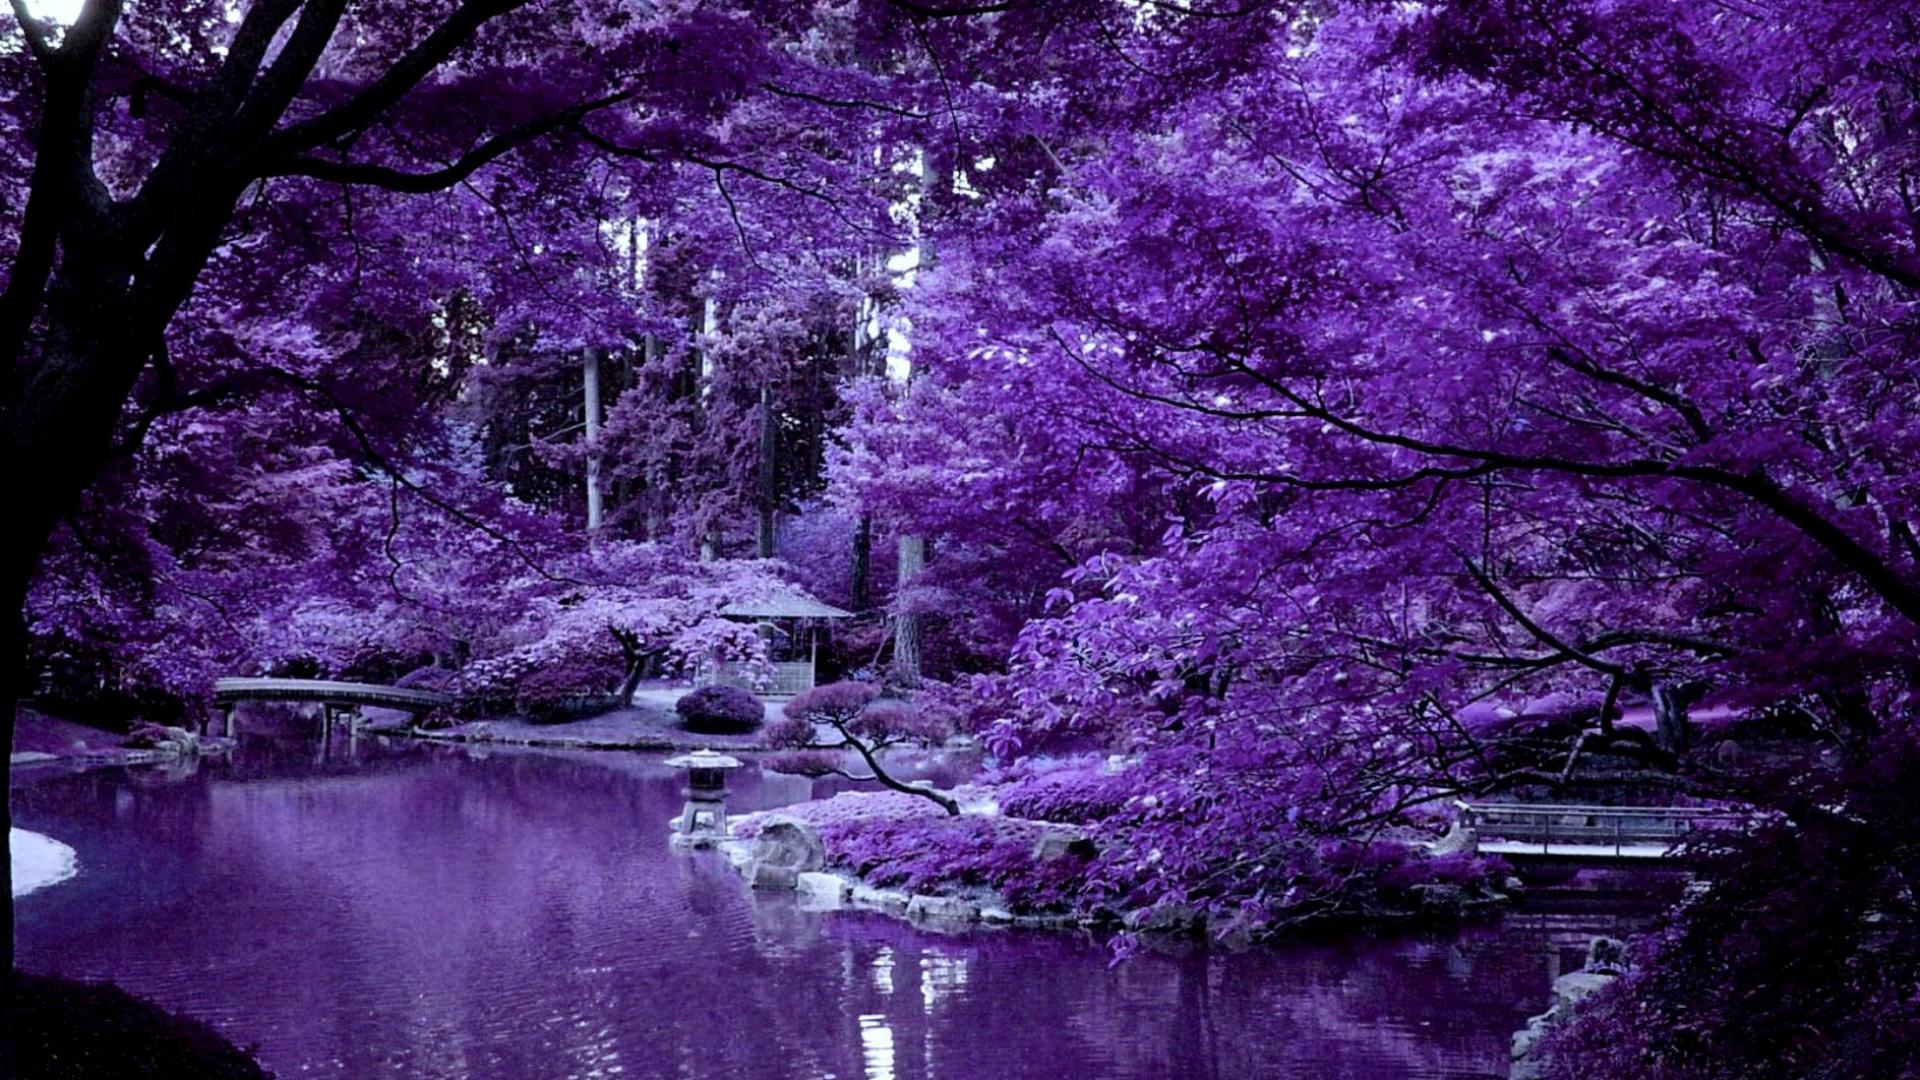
[(704, 820)]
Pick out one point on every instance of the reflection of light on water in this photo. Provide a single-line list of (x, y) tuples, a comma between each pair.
[(876, 1047), (941, 976), (883, 971)]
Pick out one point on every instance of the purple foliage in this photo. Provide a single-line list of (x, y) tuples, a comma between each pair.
[(815, 763), (944, 854), (720, 710), (792, 732), (893, 720), (840, 701), (564, 690), (1079, 794)]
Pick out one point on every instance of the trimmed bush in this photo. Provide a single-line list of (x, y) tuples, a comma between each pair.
[(841, 701), (720, 710)]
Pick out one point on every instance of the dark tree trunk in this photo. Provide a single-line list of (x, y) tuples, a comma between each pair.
[(861, 593), (1670, 720), (769, 476)]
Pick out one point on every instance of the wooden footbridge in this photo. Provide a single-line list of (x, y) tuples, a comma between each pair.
[(1575, 833), (340, 699)]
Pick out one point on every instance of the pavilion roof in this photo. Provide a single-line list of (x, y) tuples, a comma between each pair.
[(786, 603)]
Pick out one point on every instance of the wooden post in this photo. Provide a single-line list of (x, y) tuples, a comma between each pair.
[(226, 723)]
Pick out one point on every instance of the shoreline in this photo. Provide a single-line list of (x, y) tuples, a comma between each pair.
[(823, 884), (42, 741)]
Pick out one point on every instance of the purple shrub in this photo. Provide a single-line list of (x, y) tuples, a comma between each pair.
[(840, 701), (944, 854), (566, 690), (1079, 794), (790, 732), (720, 710), (892, 720)]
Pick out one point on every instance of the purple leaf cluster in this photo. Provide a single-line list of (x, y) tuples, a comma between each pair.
[(950, 854), (1080, 794), (722, 710), (836, 702)]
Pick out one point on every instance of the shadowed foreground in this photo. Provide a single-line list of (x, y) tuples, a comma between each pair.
[(66, 1029)]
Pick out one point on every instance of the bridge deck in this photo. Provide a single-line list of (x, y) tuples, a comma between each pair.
[(228, 691), (1528, 849)]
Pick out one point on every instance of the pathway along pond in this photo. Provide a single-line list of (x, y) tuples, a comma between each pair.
[(431, 911)]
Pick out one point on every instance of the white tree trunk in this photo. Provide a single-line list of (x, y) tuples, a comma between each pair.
[(906, 623), (913, 549), (709, 325), (595, 506), (769, 477)]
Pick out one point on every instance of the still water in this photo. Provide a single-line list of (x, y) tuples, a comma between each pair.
[(429, 911)]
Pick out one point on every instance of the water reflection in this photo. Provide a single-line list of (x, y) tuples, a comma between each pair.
[(413, 910), (876, 1047), (941, 976)]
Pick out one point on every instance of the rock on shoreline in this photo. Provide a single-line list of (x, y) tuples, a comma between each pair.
[(786, 855), (1604, 964)]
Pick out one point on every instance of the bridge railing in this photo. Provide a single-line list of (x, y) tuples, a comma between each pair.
[(345, 693), (1611, 827), (230, 692)]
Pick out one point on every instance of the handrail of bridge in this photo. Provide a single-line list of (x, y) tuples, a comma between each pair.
[(1626, 830), (244, 689), (1529, 809)]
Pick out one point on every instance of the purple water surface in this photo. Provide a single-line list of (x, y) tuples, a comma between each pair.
[(429, 911)]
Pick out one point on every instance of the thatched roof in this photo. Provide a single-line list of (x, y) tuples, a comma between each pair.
[(789, 603)]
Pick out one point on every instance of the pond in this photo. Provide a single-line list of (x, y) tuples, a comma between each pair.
[(433, 911)]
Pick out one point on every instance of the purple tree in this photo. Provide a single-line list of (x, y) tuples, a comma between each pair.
[(864, 723)]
